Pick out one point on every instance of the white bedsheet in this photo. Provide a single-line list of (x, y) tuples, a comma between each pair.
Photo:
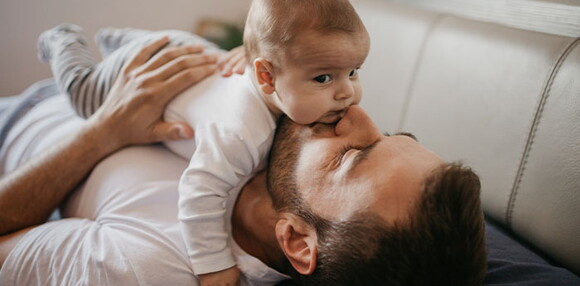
[(121, 226)]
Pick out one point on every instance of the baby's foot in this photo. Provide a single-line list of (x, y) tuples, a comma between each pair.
[(53, 41)]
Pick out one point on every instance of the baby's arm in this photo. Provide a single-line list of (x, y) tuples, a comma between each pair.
[(230, 276), (221, 161)]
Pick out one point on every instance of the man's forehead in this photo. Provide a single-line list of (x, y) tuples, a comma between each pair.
[(395, 190)]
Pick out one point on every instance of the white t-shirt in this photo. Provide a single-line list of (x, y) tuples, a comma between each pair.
[(120, 226)]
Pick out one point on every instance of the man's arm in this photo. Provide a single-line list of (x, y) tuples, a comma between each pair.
[(132, 114), (29, 194), (32, 192)]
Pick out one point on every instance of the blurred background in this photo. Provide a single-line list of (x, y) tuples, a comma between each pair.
[(21, 21)]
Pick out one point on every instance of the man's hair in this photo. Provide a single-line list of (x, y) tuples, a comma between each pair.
[(272, 25), (442, 242)]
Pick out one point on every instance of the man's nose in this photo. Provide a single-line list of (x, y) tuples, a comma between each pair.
[(356, 122)]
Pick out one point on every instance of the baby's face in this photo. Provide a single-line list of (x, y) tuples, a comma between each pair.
[(318, 77)]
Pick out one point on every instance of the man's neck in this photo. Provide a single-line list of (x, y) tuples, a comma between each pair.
[(253, 223)]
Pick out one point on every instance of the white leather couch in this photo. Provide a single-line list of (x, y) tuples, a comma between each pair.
[(504, 101)]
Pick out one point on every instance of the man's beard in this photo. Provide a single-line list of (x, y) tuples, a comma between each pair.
[(281, 182)]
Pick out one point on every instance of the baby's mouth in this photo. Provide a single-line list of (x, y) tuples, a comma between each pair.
[(328, 122), (334, 116)]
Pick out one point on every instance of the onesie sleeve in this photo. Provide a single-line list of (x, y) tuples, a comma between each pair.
[(223, 157)]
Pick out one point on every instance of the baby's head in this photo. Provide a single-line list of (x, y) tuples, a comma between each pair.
[(306, 54)]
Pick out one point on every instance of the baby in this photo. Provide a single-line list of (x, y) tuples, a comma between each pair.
[(304, 57)]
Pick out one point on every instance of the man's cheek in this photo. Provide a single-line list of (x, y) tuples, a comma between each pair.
[(305, 163), (313, 160)]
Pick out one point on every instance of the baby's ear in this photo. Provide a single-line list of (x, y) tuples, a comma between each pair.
[(298, 241), (264, 73)]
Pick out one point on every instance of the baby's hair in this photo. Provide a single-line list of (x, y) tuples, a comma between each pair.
[(272, 25)]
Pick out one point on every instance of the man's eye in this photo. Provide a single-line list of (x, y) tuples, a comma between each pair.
[(343, 152), (322, 78), (353, 73)]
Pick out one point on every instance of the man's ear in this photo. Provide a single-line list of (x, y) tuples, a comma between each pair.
[(264, 72), (298, 241)]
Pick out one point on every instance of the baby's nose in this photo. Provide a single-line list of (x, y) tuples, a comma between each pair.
[(347, 91)]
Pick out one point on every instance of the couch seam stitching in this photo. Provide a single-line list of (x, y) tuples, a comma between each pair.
[(416, 67), (533, 129)]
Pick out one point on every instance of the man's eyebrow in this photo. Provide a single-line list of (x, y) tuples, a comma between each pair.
[(363, 154), (408, 134)]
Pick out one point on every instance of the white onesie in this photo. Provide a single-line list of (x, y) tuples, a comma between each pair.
[(234, 131)]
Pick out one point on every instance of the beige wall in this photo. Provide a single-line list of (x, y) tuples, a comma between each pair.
[(21, 21)]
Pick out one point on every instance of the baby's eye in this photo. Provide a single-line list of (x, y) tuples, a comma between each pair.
[(322, 78), (353, 73)]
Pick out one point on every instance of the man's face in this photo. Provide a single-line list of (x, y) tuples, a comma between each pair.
[(343, 168)]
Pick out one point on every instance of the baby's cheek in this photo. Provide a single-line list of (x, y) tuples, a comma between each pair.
[(309, 111), (304, 116), (358, 95)]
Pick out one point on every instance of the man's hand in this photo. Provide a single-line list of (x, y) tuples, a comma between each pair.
[(131, 114), (133, 111), (233, 61), (228, 277)]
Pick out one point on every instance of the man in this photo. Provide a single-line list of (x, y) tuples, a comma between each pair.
[(382, 207), (344, 206)]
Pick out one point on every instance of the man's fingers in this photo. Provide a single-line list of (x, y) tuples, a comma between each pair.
[(237, 65), (231, 62), (145, 54), (225, 59), (237, 58), (179, 64), (166, 131), (226, 71), (240, 65), (167, 55), (185, 79)]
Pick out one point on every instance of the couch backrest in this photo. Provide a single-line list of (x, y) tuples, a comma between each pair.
[(502, 100)]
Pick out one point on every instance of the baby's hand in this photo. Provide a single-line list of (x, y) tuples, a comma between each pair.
[(227, 277), (233, 61)]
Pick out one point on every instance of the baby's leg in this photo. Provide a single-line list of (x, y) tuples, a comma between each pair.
[(110, 39), (74, 68)]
